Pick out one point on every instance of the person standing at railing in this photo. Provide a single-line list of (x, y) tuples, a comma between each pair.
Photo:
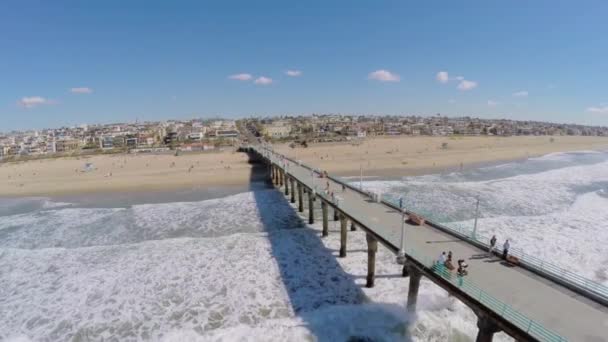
[(492, 245), (505, 249), (449, 266)]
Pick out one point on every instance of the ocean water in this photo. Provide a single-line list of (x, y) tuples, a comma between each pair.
[(238, 267), (245, 266)]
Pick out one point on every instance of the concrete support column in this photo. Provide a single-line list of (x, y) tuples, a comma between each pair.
[(300, 198), (352, 226), (372, 248), (293, 190), (276, 175), (325, 223), (281, 176), (404, 271), (343, 222), (412, 293), (286, 184), (311, 207), (272, 173), (487, 328), (336, 216)]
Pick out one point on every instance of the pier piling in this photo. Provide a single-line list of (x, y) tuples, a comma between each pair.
[(343, 222), (300, 198), (286, 184), (311, 207), (412, 293), (325, 223), (487, 328), (372, 248), (293, 190)]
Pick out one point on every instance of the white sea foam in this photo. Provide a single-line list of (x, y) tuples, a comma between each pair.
[(259, 282), (558, 215), (228, 269), (78, 227), (573, 239)]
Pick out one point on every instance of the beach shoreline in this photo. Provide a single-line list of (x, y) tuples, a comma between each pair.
[(396, 157), (380, 157)]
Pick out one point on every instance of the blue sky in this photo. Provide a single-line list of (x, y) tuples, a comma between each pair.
[(72, 62)]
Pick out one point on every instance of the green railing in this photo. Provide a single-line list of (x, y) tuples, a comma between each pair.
[(502, 309)]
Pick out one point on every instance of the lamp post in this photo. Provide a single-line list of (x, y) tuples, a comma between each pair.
[(401, 253)]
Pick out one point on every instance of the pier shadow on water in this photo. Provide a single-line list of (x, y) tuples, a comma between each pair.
[(319, 290)]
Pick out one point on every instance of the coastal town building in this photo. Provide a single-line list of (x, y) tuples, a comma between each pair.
[(196, 133)]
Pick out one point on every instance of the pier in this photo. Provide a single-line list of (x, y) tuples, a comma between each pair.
[(524, 301)]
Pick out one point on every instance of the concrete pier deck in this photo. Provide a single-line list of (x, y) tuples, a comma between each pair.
[(555, 307)]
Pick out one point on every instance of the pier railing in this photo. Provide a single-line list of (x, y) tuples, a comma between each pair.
[(463, 283), (595, 290), (570, 279), (499, 307)]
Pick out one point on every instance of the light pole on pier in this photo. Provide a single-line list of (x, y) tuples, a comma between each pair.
[(401, 253)]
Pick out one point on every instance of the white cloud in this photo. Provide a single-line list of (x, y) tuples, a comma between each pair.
[(601, 110), (384, 76), (521, 93), (459, 78), (262, 80), (241, 77), (293, 73), (465, 85), (81, 90), (34, 101), (442, 77), (492, 103), (451, 101)]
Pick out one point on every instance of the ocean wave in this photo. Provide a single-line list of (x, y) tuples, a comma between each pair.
[(82, 227)]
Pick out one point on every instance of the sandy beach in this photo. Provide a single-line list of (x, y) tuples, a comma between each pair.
[(407, 156), (384, 157), (124, 172)]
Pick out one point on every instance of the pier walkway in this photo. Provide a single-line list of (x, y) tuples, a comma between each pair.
[(513, 299)]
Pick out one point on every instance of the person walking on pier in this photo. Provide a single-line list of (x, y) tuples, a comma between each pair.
[(440, 265), (492, 245), (442, 258), (449, 265), (505, 249)]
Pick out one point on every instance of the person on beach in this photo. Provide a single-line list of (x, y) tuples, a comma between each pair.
[(492, 245), (505, 249)]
